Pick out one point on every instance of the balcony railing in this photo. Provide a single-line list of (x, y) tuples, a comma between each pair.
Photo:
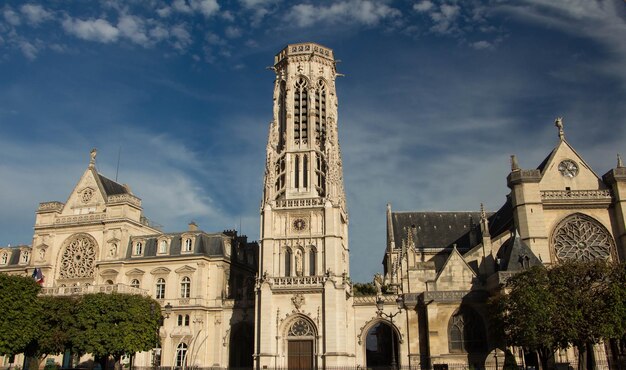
[(298, 281)]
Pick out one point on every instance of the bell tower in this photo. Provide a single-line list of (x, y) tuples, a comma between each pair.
[(303, 289)]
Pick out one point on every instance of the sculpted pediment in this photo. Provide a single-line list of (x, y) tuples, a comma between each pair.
[(185, 269), (160, 271), (109, 272), (135, 272)]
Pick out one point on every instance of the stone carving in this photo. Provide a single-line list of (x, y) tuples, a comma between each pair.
[(78, 259), (378, 283), (559, 124), (582, 238), (298, 301)]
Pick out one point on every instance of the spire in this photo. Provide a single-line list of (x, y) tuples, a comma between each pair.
[(514, 164), (92, 159), (483, 215), (559, 124), (620, 164)]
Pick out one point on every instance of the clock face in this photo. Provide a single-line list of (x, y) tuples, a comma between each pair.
[(568, 168), (299, 224)]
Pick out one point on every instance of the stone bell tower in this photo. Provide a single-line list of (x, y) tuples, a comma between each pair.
[(303, 286)]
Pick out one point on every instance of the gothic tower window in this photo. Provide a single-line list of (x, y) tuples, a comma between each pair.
[(312, 258), (78, 258), (282, 115), (287, 262), (185, 287), (160, 289), (320, 112), (305, 172), (300, 112), (320, 174), (580, 237), (297, 171)]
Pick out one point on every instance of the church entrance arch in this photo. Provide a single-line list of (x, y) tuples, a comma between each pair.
[(381, 346), (300, 337)]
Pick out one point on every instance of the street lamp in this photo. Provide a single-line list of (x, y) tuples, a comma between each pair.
[(380, 305), (168, 310)]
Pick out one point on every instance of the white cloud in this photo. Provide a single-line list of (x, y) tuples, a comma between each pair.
[(164, 12), (232, 32), (182, 38), (35, 14), (133, 28), (350, 11), (11, 17), (99, 30), (444, 18), (481, 45), (423, 6), (205, 7), (29, 50), (159, 33)]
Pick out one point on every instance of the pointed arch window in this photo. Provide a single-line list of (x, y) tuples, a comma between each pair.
[(296, 163), (282, 115), (466, 331), (160, 289), (300, 111), (320, 112), (287, 262), (185, 287)]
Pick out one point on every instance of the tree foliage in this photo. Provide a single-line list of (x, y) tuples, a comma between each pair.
[(20, 313), (57, 326), (116, 324), (363, 289)]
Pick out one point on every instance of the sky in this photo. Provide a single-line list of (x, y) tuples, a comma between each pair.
[(435, 97)]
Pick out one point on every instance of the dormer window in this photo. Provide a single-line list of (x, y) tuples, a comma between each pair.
[(187, 245), (138, 250), (4, 258), (24, 257), (162, 246)]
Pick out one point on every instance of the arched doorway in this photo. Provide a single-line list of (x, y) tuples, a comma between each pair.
[(301, 345), (381, 346), (241, 347)]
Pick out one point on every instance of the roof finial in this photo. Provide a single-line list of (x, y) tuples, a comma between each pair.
[(620, 164), (483, 215), (559, 124), (92, 154), (514, 164)]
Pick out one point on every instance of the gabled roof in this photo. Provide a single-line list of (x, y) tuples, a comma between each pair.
[(111, 187), (544, 165), (515, 255)]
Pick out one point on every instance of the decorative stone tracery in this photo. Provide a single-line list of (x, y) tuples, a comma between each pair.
[(301, 328), (78, 258), (580, 237)]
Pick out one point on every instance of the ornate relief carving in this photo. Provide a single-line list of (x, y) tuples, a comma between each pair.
[(582, 238), (78, 259), (298, 301)]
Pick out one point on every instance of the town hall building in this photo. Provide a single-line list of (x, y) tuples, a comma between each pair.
[(287, 301)]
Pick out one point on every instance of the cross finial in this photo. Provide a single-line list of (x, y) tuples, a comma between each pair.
[(514, 164), (92, 154), (620, 164), (559, 124)]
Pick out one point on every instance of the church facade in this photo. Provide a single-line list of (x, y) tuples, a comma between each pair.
[(288, 301)]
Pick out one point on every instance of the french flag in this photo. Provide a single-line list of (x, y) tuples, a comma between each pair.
[(38, 276)]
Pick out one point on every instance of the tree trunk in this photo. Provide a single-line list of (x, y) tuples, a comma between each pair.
[(118, 362), (582, 356), (544, 358)]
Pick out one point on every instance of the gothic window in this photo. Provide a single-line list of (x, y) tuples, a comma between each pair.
[(301, 328), (300, 119), (282, 115), (280, 175), (287, 262), (466, 332), (320, 112), (297, 171), (187, 244), (181, 354), (185, 287), (78, 258), (580, 237), (4, 259), (138, 248), (305, 171), (183, 320), (160, 288), (134, 283), (163, 247), (312, 258), (320, 173)]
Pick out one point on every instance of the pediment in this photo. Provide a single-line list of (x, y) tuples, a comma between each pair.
[(109, 272), (135, 272), (160, 271), (88, 195), (185, 270)]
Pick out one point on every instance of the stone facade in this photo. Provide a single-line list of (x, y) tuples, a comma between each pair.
[(288, 302)]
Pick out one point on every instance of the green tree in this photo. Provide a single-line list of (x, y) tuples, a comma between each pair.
[(20, 316), (116, 324), (57, 329), (523, 316), (363, 289)]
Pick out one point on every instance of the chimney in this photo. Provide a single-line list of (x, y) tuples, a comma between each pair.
[(193, 226)]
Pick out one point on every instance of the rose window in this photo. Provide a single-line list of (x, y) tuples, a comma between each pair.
[(78, 259), (582, 238), (301, 328)]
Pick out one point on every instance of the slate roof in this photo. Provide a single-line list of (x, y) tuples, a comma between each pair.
[(111, 187), (515, 255), (15, 254), (437, 229)]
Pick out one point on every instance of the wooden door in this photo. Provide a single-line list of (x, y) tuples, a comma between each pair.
[(300, 355)]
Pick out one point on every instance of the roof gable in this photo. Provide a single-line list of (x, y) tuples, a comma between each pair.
[(455, 274), (553, 179)]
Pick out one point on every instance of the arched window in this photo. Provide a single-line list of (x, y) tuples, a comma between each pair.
[(181, 354), (25, 256), (109, 282), (312, 260), (163, 246), (185, 287), (160, 288), (138, 248), (187, 245), (282, 116), (300, 112), (580, 237), (466, 331), (287, 262), (134, 283), (320, 112)]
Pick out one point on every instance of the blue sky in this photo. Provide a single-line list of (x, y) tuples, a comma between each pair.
[(436, 96)]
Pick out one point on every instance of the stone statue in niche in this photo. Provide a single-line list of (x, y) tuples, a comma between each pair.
[(299, 271), (42, 254), (113, 250)]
